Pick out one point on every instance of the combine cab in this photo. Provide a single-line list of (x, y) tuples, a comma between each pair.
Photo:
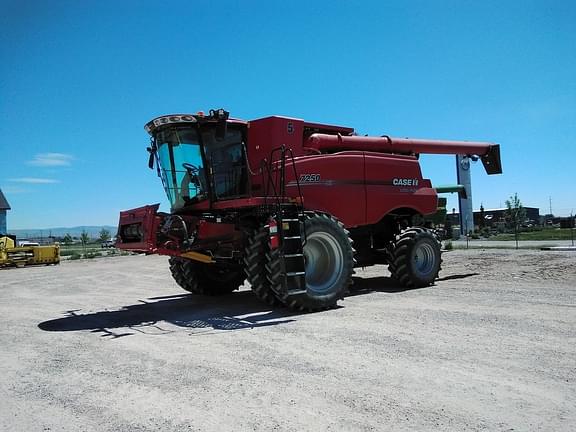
[(289, 205)]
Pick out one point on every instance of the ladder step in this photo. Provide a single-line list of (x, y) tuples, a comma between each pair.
[(291, 293), (292, 274), (293, 238), (293, 255), (289, 220)]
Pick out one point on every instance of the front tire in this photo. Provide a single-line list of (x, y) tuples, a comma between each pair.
[(205, 279), (416, 258), (255, 266)]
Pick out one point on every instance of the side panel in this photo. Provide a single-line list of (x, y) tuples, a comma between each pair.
[(331, 183), (266, 134), (47, 254), (215, 232), (394, 182)]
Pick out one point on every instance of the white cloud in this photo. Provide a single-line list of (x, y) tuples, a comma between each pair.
[(33, 180), (51, 159)]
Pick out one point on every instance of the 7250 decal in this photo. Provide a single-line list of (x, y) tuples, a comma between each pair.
[(309, 178)]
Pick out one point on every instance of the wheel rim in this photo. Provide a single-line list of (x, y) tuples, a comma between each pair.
[(424, 259), (324, 262)]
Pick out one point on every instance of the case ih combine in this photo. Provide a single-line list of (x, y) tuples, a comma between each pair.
[(291, 206)]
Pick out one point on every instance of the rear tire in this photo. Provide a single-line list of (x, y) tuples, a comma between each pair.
[(329, 264), (416, 258), (205, 279)]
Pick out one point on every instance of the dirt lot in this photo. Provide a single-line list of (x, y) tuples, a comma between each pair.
[(113, 344)]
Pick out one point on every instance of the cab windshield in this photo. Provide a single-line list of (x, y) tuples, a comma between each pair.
[(185, 176), (181, 166)]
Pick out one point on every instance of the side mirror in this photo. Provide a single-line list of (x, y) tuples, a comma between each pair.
[(151, 158)]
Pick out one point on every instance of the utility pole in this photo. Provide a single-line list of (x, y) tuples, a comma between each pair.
[(572, 226), (465, 204), (550, 200)]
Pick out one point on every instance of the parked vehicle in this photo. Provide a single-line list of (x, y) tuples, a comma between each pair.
[(292, 206)]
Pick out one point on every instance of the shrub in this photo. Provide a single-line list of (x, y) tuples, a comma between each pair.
[(75, 256), (448, 245)]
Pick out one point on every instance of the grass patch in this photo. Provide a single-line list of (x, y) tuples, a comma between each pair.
[(90, 255), (79, 249), (91, 251), (512, 245), (545, 234)]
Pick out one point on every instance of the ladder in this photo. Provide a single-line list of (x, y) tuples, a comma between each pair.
[(290, 221)]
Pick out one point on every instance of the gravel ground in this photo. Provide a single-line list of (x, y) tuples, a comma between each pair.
[(113, 344)]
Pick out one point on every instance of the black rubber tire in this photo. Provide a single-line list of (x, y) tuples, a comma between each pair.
[(338, 237), (255, 266), (205, 279), (390, 258), (182, 275), (409, 248)]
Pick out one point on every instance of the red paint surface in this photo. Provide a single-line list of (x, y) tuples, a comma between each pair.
[(357, 179)]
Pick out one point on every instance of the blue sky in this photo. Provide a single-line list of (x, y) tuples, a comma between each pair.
[(78, 80)]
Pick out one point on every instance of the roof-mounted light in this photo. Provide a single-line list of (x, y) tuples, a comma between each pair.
[(169, 119)]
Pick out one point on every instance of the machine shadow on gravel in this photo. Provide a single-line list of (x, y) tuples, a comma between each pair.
[(236, 311), (377, 284), (457, 276), (389, 285)]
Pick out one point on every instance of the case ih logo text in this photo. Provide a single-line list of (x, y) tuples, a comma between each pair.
[(405, 182)]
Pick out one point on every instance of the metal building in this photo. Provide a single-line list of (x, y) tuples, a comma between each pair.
[(4, 207)]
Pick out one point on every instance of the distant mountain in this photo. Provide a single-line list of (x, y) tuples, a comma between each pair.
[(93, 231)]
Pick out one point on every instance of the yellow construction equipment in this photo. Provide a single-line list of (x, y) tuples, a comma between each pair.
[(10, 255)]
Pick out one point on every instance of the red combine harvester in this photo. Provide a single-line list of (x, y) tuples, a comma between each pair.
[(289, 205)]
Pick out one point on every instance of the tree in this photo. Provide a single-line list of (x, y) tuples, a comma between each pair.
[(104, 235), (515, 214), (67, 240), (84, 238)]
